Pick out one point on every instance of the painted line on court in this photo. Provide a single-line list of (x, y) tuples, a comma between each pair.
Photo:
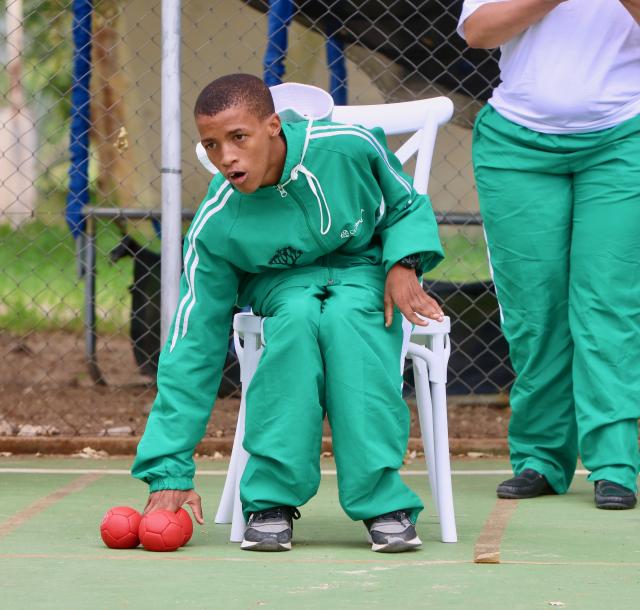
[(141, 555), (42, 503), (487, 548), (223, 473), (181, 556), (117, 471)]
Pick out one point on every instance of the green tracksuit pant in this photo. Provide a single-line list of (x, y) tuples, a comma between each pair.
[(562, 219), (327, 352)]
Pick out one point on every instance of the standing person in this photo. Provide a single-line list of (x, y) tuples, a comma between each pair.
[(556, 155), (315, 226)]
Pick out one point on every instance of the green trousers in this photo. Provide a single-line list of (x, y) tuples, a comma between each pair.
[(562, 220), (327, 352)]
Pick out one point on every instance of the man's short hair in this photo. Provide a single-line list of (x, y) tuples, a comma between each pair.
[(235, 90)]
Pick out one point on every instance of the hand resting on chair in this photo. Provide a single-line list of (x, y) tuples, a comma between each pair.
[(403, 289)]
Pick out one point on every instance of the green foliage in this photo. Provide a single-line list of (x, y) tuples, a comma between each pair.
[(46, 79), (47, 64), (465, 256), (39, 286), (40, 289)]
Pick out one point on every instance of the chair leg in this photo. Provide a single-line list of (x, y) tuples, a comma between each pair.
[(230, 506), (430, 364), (227, 500), (425, 417), (225, 506), (237, 522), (446, 511)]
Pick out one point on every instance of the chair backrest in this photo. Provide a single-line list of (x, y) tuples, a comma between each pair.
[(421, 118)]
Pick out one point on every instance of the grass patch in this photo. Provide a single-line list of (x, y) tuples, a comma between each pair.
[(39, 284), (465, 256), (40, 288)]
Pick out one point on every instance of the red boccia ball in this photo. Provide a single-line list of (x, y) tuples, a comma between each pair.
[(161, 530), (119, 527), (187, 524)]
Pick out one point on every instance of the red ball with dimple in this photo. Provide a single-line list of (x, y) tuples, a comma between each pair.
[(187, 524), (161, 531), (119, 527)]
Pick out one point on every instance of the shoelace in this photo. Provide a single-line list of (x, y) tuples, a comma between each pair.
[(277, 513), (396, 515)]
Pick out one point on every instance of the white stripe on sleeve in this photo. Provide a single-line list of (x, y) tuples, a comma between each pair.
[(190, 270)]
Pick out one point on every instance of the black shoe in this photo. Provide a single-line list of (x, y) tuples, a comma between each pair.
[(392, 533), (270, 529), (611, 496), (528, 484)]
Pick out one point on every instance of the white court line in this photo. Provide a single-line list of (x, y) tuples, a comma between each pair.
[(222, 473)]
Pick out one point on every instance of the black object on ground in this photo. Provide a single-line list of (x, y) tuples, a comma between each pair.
[(479, 361), (145, 314)]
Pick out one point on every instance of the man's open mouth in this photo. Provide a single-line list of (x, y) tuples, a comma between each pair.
[(236, 177)]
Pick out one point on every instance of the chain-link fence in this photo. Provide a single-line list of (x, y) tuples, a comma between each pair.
[(79, 355)]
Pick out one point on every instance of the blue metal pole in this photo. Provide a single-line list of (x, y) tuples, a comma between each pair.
[(335, 61), (78, 195), (278, 21)]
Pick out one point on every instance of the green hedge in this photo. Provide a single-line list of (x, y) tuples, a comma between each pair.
[(40, 289)]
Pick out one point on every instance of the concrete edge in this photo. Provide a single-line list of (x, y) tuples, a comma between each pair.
[(66, 445)]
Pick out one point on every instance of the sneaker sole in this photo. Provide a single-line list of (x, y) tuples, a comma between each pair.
[(505, 495), (512, 495), (268, 545), (397, 546), (613, 505)]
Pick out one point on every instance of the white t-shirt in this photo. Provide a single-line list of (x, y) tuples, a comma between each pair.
[(576, 70)]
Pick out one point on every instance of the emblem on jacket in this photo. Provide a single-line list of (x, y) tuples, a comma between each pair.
[(356, 225), (286, 256)]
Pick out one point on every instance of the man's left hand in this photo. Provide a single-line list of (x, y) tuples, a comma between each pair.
[(403, 289)]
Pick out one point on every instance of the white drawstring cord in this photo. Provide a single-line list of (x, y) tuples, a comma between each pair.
[(319, 194), (312, 180), (294, 171)]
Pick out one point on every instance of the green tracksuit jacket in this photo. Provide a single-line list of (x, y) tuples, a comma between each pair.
[(343, 200)]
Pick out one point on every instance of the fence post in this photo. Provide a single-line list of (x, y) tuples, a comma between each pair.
[(171, 164)]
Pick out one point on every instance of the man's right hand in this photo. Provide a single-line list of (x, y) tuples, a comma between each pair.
[(173, 499)]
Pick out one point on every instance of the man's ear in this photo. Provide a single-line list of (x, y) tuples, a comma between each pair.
[(274, 125)]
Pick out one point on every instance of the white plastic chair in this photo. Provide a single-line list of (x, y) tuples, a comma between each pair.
[(428, 348)]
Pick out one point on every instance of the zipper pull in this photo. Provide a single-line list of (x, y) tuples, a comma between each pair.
[(281, 190)]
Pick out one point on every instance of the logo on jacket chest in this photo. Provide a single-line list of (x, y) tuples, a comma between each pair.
[(285, 256), (350, 232)]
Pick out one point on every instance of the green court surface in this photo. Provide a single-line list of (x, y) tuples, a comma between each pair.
[(553, 551)]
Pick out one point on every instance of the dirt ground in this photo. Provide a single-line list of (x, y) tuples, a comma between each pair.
[(44, 383)]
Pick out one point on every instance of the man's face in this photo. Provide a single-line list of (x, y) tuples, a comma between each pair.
[(241, 146)]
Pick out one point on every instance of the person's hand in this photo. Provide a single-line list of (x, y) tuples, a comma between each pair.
[(173, 499), (403, 289)]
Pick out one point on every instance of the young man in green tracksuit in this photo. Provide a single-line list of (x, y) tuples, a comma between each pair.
[(314, 226)]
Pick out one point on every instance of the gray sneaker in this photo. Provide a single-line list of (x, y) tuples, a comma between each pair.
[(392, 533), (270, 529)]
